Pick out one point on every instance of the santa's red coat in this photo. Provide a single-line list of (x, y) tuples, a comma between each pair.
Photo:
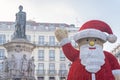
[(77, 70)]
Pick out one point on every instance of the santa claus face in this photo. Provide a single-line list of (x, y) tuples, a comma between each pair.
[(91, 54)]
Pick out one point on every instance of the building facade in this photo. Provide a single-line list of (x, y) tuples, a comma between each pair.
[(50, 62)]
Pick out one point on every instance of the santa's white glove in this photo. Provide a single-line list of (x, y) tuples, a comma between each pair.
[(61, 34)]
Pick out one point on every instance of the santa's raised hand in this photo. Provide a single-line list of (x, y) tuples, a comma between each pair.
[(61, 34)]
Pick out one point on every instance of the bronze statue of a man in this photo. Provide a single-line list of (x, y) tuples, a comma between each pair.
[(20, 24)]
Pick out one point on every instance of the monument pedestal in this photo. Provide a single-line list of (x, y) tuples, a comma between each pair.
[(20, 65)]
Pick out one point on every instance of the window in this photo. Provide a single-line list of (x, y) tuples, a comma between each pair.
[(51, 40), (41, 26), (51, 78), (51, 55), (28, 37), (41, 40), (51, 68), (51, 27), (2, 39), (2, 54), (62, 78), (40, 68), (62, 66), (41, 55), (40, 78), (62, 56), (62, 70)]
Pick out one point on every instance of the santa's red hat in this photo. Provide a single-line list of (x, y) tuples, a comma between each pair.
[(97, 29)]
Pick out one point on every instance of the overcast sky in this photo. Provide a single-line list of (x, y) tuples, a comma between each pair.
[(66, 11)]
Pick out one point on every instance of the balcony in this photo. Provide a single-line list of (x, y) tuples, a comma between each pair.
[(52, 72), (62, 73), (47, 44), (40, 72), (40, 58)]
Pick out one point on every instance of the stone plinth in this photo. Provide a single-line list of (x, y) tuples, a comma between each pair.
[(20, 64), (19, 46)]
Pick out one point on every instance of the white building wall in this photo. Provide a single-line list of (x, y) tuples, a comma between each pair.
[(35, 33)]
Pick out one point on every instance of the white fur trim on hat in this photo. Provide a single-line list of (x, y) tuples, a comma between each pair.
[(112, 38), (90, 33)]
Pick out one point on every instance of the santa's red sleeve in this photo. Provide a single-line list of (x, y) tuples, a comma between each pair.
[(115, 66), (70, 52)]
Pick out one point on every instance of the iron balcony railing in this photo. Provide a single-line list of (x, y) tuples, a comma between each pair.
[(63, 73), (52, 72), (40, 72)]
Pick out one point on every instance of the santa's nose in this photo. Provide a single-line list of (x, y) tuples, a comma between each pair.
[(91, 43)]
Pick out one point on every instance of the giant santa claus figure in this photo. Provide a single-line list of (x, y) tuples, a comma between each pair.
[(90, 62)]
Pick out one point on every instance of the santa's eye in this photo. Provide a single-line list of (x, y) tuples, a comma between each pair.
[(87, 39), (95, 39)]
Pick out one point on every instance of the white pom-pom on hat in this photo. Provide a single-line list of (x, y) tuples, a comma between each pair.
[(112, 38), (96, 29)]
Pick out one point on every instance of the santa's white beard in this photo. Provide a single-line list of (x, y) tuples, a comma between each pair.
[(92, 59)]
